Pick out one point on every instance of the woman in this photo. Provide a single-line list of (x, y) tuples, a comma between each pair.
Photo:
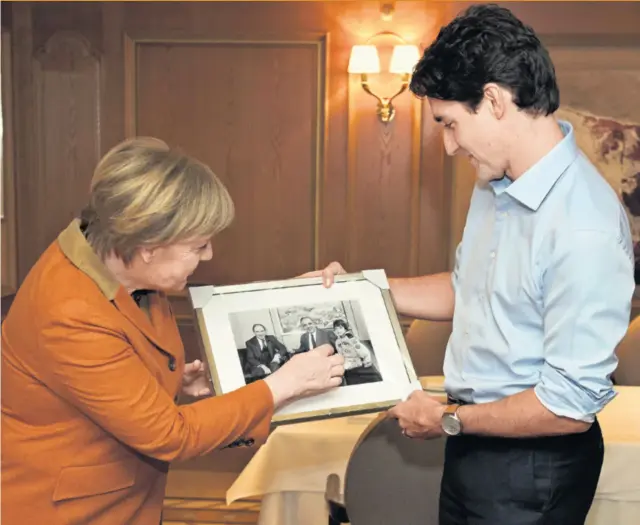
[(358, 361), (92, 359)]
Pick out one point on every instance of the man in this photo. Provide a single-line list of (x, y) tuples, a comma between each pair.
[(265, 354), (314, 336), (540, 294)]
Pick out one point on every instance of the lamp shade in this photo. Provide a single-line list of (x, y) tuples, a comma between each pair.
[(364, 59), (404, 59)]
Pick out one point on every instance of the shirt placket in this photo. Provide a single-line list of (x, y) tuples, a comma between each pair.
[(485, 266), (501, 214)]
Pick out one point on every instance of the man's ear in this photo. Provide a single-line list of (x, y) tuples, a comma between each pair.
[(497, 99)]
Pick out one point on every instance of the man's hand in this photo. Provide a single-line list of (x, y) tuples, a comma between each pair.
[(276, 358), (194, 380), (419, 416), (265, 369), (328, 274)]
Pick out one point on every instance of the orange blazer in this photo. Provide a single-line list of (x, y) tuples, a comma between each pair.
[(89, 422)]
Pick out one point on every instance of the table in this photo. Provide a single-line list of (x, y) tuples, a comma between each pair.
[(291, 469)]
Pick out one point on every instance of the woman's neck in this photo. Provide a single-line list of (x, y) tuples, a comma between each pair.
[(124, 274)]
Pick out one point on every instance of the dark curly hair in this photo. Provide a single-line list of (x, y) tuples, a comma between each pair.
[(342, 323), (487, 43)]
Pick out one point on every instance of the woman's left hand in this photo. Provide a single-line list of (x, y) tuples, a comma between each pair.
[(194, 380)]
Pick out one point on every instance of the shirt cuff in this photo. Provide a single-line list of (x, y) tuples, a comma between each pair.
[(570, 402)]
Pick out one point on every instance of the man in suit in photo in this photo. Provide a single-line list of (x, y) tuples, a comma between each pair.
[(314, 336), (265, 354)]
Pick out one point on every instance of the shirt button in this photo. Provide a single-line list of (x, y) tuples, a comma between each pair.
[(172, 364), (492, 255)]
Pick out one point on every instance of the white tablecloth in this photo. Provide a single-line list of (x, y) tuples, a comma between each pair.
[(291, 469)]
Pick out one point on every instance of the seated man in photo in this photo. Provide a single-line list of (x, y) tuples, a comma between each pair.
[(265, 354), (314, 336)]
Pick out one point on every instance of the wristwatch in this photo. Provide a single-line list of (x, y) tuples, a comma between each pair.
[(451, 423)]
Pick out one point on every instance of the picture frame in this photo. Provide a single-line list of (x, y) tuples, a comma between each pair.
[(243, 327)]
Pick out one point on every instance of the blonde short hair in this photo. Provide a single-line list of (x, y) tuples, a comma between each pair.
[(144, 194)]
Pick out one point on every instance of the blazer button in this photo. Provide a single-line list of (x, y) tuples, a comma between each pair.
[(172, 364)]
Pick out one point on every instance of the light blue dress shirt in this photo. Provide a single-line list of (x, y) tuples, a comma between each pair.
[(543, 286)]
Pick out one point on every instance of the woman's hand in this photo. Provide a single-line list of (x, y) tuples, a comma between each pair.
[(307, 374), (328, 274), (194, 380)]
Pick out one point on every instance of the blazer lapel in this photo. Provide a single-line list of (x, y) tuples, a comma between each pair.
[(153, 329), (164, 324)]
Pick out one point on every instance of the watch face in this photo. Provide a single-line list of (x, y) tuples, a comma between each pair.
[(451, 425)]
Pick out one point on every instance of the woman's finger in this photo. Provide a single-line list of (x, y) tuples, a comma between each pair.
[(336, 359), (337, 370), (335, 381)]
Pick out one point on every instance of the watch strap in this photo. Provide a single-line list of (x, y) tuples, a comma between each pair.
[(451, 409)]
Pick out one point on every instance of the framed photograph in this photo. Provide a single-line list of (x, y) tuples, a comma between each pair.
[(248, 331)]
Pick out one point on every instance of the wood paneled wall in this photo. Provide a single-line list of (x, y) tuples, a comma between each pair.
[(260, 92), (8, 204)]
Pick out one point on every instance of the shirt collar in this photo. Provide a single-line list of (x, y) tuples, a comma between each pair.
[(76, 248), (531, 188)]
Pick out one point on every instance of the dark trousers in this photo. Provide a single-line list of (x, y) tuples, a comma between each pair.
[(505, 481)]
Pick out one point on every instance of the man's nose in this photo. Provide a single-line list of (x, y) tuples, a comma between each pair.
[(450, 144)]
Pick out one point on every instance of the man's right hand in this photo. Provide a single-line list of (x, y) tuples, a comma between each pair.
[(328, 273), (307, 374)]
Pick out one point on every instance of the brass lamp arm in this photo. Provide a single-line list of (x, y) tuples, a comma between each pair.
[(364, 81), (386, 111)]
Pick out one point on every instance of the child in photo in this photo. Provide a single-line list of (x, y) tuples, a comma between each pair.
[(358, 359)]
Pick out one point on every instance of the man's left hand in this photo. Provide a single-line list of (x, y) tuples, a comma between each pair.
[(194, 380), (419, 416)]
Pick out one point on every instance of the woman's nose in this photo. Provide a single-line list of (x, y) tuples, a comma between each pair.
[(207, 253)]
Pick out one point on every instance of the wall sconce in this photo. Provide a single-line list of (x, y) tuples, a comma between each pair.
[(364, 60)]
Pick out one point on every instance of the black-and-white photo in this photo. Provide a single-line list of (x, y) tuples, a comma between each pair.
[(250, 330), (268, 338)]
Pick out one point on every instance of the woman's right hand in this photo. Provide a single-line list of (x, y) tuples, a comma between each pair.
[(307, 374)]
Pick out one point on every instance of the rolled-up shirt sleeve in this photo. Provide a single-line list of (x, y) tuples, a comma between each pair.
[(588, 289)]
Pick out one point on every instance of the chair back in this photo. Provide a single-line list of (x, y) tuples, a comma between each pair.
[(393, 479), (628, 352), (427, 342)]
